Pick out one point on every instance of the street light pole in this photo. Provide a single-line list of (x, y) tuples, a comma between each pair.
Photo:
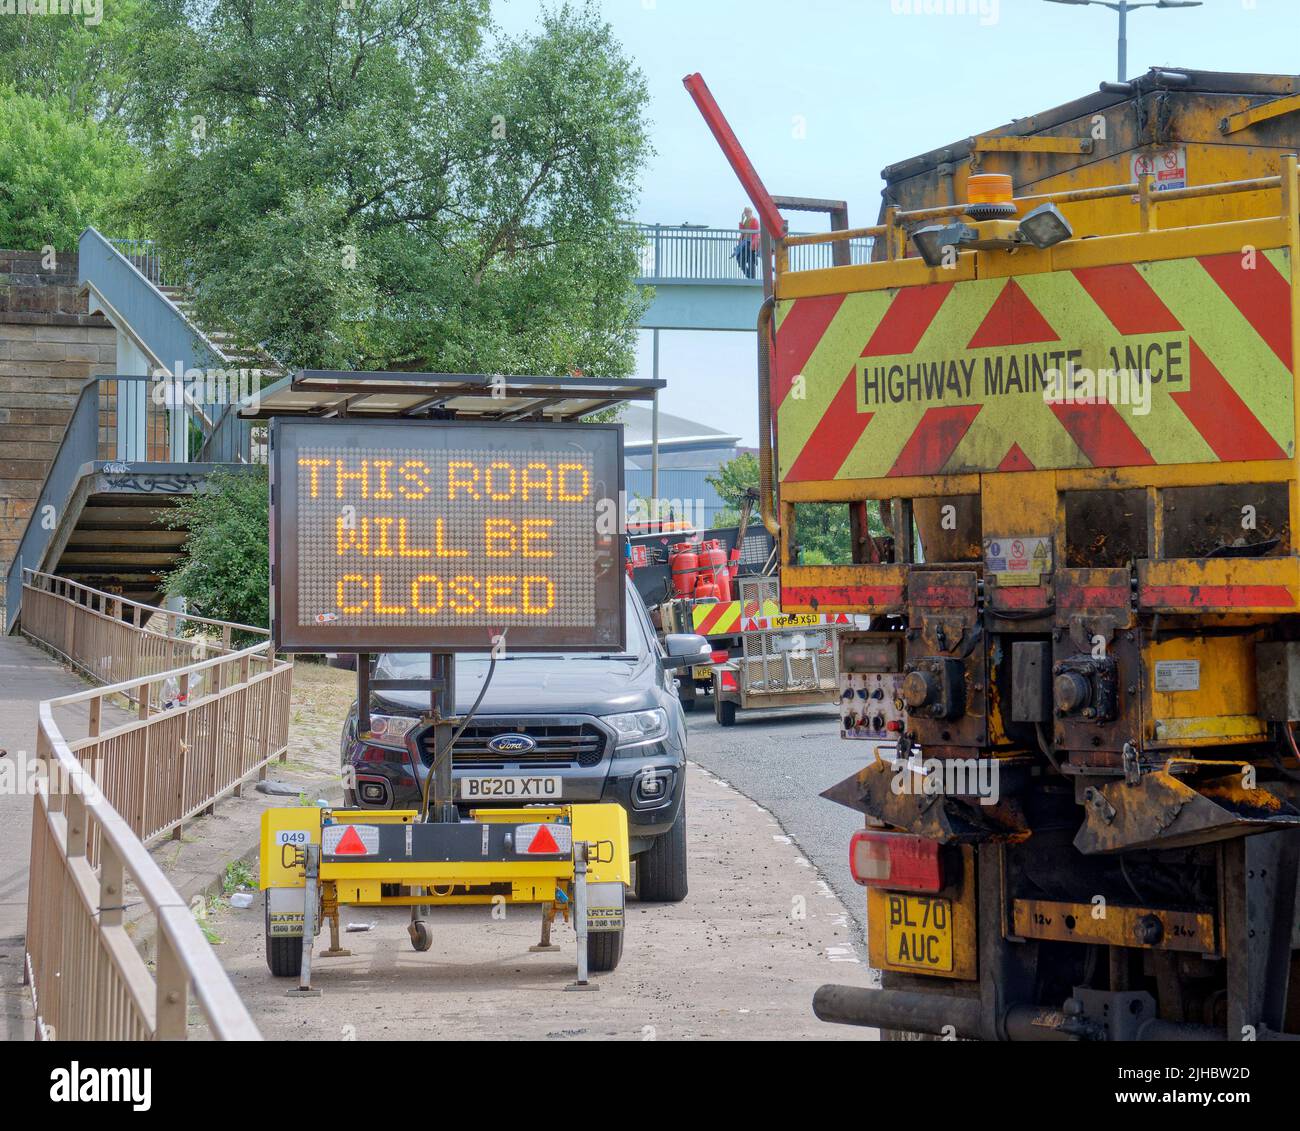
[(1123, 7)]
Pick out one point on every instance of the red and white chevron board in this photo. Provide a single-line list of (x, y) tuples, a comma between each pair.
[(1174, 361)]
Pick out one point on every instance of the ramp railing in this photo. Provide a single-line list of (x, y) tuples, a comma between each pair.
[(112, 638), (208, 715)]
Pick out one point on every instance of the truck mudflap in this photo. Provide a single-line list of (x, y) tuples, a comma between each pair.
[(1188, 801), (911, 797)]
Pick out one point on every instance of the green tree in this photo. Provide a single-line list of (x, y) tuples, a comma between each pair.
[(734, 480), (378, 185), (59, 172), (85, 62), (224, 568), (823, 531)]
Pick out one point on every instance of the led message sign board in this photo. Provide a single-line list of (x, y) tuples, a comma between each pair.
[(391, 535)]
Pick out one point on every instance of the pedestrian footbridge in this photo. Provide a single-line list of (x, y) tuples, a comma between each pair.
[(698, 283)]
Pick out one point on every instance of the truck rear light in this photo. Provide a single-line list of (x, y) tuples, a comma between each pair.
[(721, 657), (895, 860)]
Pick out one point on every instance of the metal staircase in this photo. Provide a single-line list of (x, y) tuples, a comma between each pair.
[(223, 342), (136, 442)]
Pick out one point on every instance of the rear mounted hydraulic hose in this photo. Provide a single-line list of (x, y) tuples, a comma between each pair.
[(766, 487), (1276, 758)]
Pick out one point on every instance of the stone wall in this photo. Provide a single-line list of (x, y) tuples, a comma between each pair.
[(49, 348)]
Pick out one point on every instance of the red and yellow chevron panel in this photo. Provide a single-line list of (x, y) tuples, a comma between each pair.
[(724, 617), (1040, 371)]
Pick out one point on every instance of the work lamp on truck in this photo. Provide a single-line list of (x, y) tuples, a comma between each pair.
[(1045, 226), (934, 240)]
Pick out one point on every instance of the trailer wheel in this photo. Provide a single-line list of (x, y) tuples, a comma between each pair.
[(421, 939), (283, 955), (604, 949), (724, 710)]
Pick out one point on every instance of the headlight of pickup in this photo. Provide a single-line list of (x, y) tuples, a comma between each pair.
[(639, 726), (389, 730)]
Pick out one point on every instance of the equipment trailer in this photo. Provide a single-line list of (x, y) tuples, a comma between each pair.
[(784, 660), (570, 860), (470, 530)]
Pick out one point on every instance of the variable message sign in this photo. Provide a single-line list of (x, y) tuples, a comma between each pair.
[(446, 536)]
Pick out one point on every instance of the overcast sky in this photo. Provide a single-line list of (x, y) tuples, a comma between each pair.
[(824, 93)]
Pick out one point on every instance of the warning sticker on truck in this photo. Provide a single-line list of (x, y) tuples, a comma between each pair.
[(1121, 365), (1178, 675), (1020, 560), (1167, 168)]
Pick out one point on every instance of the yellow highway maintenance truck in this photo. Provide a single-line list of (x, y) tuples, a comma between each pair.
[(1065, 382)]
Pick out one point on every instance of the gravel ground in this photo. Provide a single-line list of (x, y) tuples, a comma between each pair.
[(738, 959), (783, 760)]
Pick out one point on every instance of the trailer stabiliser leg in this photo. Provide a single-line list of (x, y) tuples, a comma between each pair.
[(311, 890), (330, 909), (580, 914), (548, 917)]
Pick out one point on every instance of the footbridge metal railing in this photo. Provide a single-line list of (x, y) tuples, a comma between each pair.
[(208, 714), (690, 253)]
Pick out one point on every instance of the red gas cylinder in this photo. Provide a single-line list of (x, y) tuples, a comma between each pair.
[(705, 590), (713, 562), (684, 562)]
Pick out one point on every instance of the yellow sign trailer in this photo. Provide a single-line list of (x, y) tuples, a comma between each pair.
[(1079, 428), (358, 510), (569, 860)]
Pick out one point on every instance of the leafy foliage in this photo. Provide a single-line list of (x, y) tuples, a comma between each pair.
[(824, 534), (90, 63), (733, 481), (224, 569), (823, 530), (370, 183), (59, 172), (374, 186)]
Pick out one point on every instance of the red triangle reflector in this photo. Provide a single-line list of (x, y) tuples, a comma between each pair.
[(350, 844), (543, 841)]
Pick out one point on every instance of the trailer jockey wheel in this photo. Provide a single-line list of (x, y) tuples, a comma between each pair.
[(421, 940)]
